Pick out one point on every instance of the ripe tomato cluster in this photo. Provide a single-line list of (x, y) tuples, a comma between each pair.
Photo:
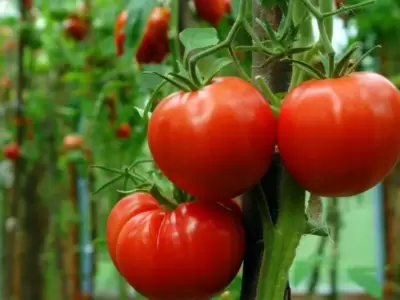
[(154, 45)]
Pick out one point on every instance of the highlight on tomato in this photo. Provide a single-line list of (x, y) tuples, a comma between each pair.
[(154, 45), (212, 11), (215, 142), (12, 151), (191, 252), (340, 137)]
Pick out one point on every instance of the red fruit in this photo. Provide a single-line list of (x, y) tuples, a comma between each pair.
[(212, 11), (192, 252), (340, 137), (215, 142), (12, 151), (154, 45), (124, 131), (76, 28)]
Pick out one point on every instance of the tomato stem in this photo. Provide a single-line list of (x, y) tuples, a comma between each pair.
[(174, 35), (286, 238), (267, 92), (238, 65), (347, 8), (223, 45)]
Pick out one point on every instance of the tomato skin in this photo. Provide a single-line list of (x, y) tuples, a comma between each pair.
[(12, 151), (76, 28), (339, 137), (124, 131), (212, 11), (192, 252), (154, 46), (214, 142)]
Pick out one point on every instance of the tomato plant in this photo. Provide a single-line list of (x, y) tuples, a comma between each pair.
[(76, 27), (214, 142), (154, 45), (191, 252), (339, 137), (12, 151), (212, 11), (72, 141), (124, 131), (28, 4)]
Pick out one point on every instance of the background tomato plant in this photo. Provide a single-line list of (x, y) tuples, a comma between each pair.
[(66, 82)]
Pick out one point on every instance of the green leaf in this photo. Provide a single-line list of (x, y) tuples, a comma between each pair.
[(138, 12), (217, 66), (366, 279), (140, 111), (196, 38)]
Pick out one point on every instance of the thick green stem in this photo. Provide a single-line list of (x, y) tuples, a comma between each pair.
[(287, 234), (327, 7), (300, 17)]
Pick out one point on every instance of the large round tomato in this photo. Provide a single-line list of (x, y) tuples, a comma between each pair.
[(192, 252), (76, 27), (340, 137), (214, 142), (212, 11), (154, 46)]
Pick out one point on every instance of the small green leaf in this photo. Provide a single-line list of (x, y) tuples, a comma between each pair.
[(196, 38), (141, 112), (367, 280), (218, 65)]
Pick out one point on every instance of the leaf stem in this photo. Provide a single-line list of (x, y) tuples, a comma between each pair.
[(174, 35), (224, 44), (267, 91)]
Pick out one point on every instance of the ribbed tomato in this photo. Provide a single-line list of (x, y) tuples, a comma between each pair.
[(212, 11), (214, 142), (192, 252), (340, 137), (154, 46)]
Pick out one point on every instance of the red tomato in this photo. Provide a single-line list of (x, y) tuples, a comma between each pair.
[(76, 28), (124, 131), (154, 45), (212, 11), (340, 137), (192, 252), (73, 141), (12, 151), (214, 142)]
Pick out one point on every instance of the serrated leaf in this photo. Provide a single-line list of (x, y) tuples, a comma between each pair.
[(367, 280), (197, 38)]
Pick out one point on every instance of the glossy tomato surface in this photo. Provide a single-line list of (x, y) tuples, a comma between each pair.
[(154, 45), (212, 11), (214, 142), (340, 137), (12, 151), (192, 252)]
